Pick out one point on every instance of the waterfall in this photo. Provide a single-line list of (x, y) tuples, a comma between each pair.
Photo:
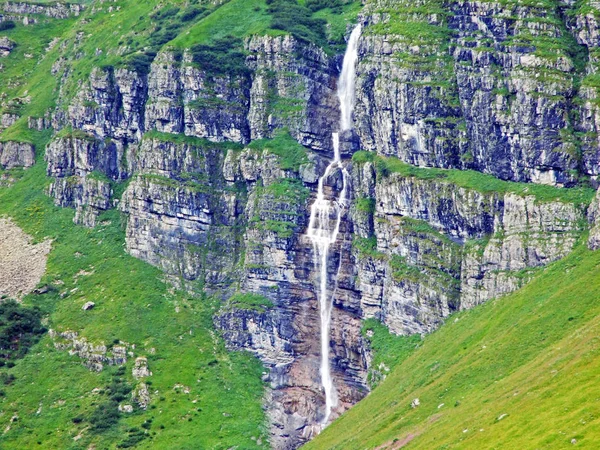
[(326, 216)]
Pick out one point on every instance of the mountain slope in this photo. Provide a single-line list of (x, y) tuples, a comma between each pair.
[(517, 372), (199, 393)]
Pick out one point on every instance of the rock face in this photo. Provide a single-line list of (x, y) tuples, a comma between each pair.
[(185, 99), (594, 220), (81, 166), (183, 216), (94, 355), (56, 10), (438, 247), (293, 86), (288, 85), (16, 154), (475, 89)]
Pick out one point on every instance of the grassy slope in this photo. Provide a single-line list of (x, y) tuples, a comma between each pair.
[(135, 306), (533, 355)]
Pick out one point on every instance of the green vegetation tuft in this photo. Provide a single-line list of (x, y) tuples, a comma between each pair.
[(367, 247), (365, 205), (20, 329), (291, 154), (250, 301), (388, 349)]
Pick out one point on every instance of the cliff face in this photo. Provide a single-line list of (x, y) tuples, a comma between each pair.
[(488, 86), (427, 247), (216, 188)]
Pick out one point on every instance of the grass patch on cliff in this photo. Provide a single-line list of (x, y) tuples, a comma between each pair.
[(29, 64), (477, 181), (388, 349), (291, 154), (366, 247), (200, 392), (250, 301), (237, 18), (520, 372)]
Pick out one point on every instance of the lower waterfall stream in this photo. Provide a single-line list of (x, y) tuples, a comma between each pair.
[(326, 216)]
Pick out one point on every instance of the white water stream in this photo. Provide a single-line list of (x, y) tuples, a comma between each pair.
[(326, 215)]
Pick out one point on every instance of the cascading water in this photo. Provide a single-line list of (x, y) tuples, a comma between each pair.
[(326, 216)]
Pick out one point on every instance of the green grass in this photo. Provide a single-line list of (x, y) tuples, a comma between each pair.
[(255, 302), (238, 18), (134, 305), (365, 205), (531, 358), (291, 154), (477, 181), (366, 247), (388, 350)]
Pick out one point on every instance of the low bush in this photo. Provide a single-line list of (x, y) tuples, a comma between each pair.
[(224, 56), (7, 25), (20, 328), (296, 19)]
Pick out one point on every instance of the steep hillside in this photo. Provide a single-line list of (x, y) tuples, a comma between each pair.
[(65, 392), (517, 372)]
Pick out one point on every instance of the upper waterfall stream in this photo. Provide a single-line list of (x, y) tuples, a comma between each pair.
[(326, 216)]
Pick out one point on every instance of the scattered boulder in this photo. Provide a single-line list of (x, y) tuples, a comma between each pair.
[(6, 46), (126, 408), (140, 369), (88, 306), (22, 263)]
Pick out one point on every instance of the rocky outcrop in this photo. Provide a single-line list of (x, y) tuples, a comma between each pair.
[(288, 84), (56, 10), (6, 46), (293, 87), (186, 99), (434, 246), (94, 355), (16, 154), (182, 215), (8, 119), (82, 167), (594, 221), (110, 106)]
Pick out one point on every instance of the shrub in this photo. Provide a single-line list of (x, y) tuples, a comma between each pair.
[(224, 56), (6, 25), (191, 13), (140, 62), (250, 301), (296, 19), (105, 416), (316, 5), (20, 328)]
